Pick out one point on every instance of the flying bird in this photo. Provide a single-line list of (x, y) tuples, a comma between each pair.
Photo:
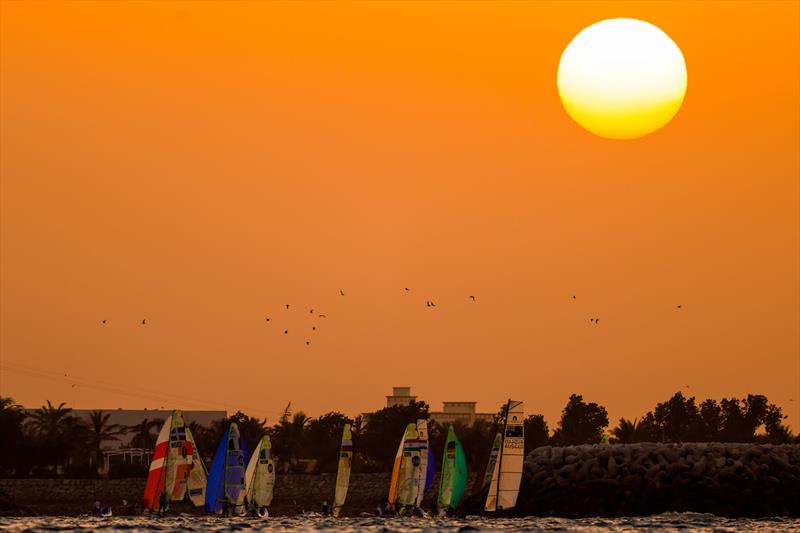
[(341, 292), (473, 298), (679, 306), (322, 316), (313, 328), (287, 306), (286, 332), (430, 304), (307, 343), (104, 321), (267, 319), (573, 296), (144, 321), (311, 311), (73, 386), (407, 289)]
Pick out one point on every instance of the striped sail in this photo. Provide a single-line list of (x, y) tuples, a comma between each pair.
[(343, 473), (422, 471), (487, 476), (454, 473), (196, 484), (507, 475), (408, 478), (155, 477), (179, 460), (260, 474)]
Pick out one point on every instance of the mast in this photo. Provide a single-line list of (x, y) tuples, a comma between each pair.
[(500, 457)]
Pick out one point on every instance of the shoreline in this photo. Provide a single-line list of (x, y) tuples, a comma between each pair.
[(730, 480)]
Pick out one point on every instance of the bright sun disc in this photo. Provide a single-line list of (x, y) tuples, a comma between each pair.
[(622, 78)]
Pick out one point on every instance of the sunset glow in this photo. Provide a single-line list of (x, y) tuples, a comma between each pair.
[(622, 78)]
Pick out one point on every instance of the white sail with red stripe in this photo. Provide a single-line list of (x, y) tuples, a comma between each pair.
[(171, 464)]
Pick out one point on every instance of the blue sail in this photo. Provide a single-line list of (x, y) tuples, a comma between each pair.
[(215, 490), (431, 468)]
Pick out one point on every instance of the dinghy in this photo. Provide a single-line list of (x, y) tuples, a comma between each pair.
[(260, 476), (171, 464), (225, 488), (507, 472), (343, 473), (454, 474)]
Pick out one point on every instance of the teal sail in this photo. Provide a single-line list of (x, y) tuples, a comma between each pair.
[(454, 473)]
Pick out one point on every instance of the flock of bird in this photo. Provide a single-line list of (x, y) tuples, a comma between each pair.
[(428, 303)]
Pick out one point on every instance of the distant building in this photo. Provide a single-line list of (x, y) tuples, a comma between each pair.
[(459, 411), (451, 412), (400, 396)]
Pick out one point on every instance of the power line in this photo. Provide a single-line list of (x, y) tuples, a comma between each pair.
[(115, 388)]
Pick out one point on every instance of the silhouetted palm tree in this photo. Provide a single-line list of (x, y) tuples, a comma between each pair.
[(100, 430), (58, 432), (625, 432), (143, 434), (288, 437)]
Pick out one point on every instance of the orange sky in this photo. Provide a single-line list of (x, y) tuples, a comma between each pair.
[(200, 165)]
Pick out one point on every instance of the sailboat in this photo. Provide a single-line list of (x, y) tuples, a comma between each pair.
[(171, 464), (507, 472), (198, 476), (225, 486), (425, 460), (454, 474), (260, 476), (487, 475), (405, 482), (343, 473)]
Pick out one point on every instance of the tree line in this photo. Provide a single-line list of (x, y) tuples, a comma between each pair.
[(52, 441)]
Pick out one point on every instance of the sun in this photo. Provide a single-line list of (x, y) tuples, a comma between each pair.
[(622, 78)]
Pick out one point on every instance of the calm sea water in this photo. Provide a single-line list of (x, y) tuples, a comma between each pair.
[(685, 522)]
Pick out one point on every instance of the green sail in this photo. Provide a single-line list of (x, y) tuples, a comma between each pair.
[(454, 473)]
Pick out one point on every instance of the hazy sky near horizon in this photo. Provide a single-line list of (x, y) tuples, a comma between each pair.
[(200, 165)]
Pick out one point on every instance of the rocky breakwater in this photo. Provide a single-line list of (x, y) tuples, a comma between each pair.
[(728, 479)]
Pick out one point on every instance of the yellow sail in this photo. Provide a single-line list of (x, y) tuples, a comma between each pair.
[(408, 478), (343, 473), (410, 433), (260, 474), (196, 484)]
